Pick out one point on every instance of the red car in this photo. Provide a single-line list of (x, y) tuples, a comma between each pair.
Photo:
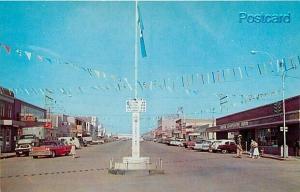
[(50, 149), (228, 147)]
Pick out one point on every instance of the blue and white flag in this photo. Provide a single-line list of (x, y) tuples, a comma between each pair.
[(141, 27)]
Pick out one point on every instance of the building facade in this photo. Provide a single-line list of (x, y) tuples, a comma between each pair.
[(263, 125), (16, 114)]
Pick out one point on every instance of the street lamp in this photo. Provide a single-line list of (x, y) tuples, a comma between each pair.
[(283, 75)]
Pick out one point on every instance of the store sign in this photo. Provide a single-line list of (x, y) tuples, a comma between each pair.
[(235, 125), (48, 125)]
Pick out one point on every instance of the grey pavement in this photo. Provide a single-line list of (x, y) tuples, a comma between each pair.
[(185, 170)]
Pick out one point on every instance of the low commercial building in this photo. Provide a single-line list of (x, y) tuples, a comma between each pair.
[(16, 114), (263, 125)]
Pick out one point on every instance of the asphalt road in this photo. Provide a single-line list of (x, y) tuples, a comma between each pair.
[(185, 171)]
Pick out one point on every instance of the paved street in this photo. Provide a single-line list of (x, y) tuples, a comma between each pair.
[(184, 171)]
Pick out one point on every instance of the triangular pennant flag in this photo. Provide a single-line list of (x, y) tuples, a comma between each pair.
[(241, 74), (19, 52), (49, 60), (97, 73), (40, 58), (28, 54), (259, 69), (7, 48), (246, 71)]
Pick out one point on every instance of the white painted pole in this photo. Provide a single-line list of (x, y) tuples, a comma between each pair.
[(135, 52), (136, 115)]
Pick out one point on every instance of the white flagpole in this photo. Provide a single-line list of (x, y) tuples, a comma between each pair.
[(135, 52)]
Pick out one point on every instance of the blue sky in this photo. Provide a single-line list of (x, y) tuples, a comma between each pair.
[(183, 40)]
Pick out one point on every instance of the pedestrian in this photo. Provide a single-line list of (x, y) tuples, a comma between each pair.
[(255, 150), (251, 148), (239, 149), (73, 148)]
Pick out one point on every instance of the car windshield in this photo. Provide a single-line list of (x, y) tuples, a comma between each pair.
[(27, 137)]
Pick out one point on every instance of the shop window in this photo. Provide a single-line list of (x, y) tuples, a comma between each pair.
[(268, 137)]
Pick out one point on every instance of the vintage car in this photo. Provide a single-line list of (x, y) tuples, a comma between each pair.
[(214, 146), (204, 145), (50, 149), (228, 147), (177, 142)]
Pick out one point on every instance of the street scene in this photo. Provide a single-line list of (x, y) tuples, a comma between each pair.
[(185, 170), (149, 96)]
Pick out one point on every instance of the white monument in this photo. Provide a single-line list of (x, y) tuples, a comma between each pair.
[(136, 162)]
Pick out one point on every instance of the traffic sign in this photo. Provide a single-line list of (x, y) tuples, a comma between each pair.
[(136, 105), (286, 129)]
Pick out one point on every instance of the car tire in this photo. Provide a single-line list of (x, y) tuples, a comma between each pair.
[(224, 151), (34, 157), (17, 154), (52, 154)]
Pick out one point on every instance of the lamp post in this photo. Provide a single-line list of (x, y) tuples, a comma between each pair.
[(283, 75), (284, 71)]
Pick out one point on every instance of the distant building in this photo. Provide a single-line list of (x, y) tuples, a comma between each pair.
[(165, 126), (61, 125), (187, 126)]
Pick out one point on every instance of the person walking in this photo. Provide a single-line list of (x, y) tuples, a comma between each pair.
[(255, 150), (239, 149), (73, 148), (251, 148)]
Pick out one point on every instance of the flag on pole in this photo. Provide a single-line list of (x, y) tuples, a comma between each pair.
[(141, 27)]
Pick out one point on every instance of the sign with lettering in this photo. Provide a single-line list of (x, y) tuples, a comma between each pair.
[(136, 105)]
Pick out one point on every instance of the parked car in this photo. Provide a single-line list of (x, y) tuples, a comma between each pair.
[(198, 144), (228, 147), (50, 149), (70, 141), (204, 145), (191, 144), (177, 142), (25, 144), (214, 146), (82, 142)]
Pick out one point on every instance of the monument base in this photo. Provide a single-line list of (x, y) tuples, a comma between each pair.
[(140, 165)]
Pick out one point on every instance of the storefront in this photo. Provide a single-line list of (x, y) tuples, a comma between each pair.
[(263, 124)]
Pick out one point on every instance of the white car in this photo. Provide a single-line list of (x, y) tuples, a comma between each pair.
[(177, 142), (70, 141), (204, 145), (214, 146)]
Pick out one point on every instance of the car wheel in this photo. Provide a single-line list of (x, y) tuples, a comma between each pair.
[(52, 154), (34, 157), (17, 154), (224, 151)]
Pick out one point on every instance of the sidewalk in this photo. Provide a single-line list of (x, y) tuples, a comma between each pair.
[(277, 157), (7, 155)]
